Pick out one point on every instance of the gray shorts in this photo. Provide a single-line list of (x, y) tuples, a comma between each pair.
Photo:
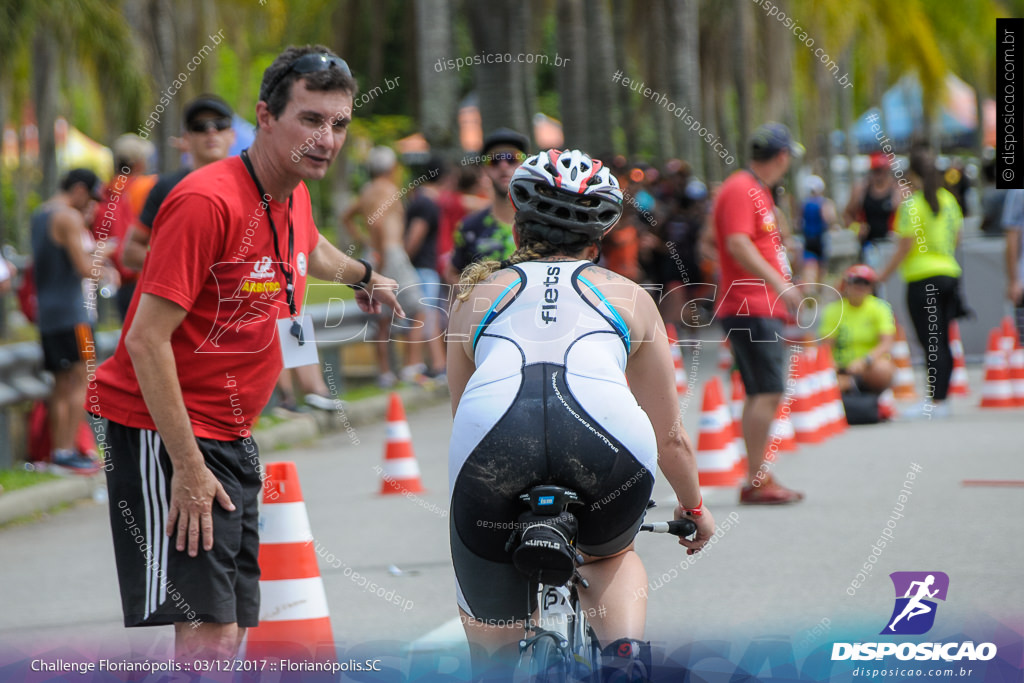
[(398, 268)]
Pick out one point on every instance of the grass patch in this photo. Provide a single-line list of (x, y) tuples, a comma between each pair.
[(12, 480), (321, 291), (363, 391)]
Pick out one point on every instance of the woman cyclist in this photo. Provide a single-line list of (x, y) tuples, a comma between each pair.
[(540, 350)]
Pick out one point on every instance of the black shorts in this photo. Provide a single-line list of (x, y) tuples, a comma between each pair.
[(760, 352), (64, 348), (160, 585), (539, 441)]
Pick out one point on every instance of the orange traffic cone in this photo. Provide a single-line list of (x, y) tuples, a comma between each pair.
[(677, 359), (1008, 341), (725, 356), (958, 382), (294, 622), (903, 381), (401, 474), (780, 434), (1017, 373), (804, 414), (997, 390), (716, 452), (739, 395), (818, 377), (834, 397)]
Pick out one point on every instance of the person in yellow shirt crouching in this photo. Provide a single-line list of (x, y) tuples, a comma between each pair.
[(860, 329)]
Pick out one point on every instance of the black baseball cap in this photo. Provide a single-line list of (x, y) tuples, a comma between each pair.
[(505, 136), (86, 177), (770, 139), (206, 102)]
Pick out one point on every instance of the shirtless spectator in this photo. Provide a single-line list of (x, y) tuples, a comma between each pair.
[(380, 203)]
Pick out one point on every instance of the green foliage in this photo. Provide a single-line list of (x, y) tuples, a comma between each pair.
[(378, 130)]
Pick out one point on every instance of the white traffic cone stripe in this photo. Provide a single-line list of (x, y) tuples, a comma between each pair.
[(284, 523), (999, 389), (398, 431), (401, 468), (721, 460), (293, 599)]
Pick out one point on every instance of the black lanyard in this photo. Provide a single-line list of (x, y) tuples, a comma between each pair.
[(286, 267)]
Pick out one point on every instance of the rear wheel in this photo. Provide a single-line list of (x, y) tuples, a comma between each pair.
[(547, 664)]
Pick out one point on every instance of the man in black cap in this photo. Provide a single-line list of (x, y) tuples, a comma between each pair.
[(63, 256), (487, 234), (208, 137), (756, 296)]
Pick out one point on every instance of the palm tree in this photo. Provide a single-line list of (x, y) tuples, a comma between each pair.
[(684, 20), (98, 41), (496, 27), (437, 94)]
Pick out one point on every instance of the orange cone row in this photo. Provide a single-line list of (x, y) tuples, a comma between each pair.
[(814, 413)]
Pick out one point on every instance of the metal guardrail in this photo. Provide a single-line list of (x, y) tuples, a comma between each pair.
[(23, 379)]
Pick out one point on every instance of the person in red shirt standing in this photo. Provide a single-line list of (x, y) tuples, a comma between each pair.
[(231, 249), (756, 295)]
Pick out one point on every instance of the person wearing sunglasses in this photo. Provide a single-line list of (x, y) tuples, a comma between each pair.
[(215, 316), (487, 234), (207, 138), (860, 329)]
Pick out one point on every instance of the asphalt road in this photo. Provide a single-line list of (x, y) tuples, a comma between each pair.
[(785, 570)]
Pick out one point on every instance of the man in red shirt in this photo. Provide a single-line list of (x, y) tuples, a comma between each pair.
[(756, 295), (231, 249)]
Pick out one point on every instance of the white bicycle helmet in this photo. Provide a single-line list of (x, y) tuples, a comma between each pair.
[(566, 190)]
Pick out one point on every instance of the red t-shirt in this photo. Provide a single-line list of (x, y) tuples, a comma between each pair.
[(212, 253), (744, 207)]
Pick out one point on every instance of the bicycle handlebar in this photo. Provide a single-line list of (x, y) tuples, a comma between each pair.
[(676, 527)]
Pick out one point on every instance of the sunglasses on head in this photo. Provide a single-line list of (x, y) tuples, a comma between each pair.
[(218, 125), (510, 157), (858, 281), (306, 64)]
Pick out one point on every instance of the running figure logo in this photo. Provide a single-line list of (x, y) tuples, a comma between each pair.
[(914, 612)]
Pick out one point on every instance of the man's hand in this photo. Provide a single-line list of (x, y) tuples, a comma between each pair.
[(379, 290), (193, 490), (857, 366), (705, 530), (1014, 292), (791, 298)]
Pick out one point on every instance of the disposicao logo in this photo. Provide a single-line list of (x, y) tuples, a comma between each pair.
[(916, 592), (914, 615)]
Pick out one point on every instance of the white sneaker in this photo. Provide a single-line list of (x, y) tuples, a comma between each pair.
[(928, 410), (325, 403), (387, 380), (412, 373)]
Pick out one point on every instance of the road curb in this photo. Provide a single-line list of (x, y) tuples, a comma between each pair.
[(42, 497), (302, 428)]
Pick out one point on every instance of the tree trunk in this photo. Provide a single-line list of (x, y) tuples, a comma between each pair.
[(684, 19), (658, 68), (499, 90), (571, 41), (378, 37), (627, 114), (778, 67), (600, 98), (44, 82), (741, 73), (436, 87)]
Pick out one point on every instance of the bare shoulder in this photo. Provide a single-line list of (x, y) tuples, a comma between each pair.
[(611, 283)]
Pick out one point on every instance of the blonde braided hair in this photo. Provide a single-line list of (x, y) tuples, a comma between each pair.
[(531, 248)]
